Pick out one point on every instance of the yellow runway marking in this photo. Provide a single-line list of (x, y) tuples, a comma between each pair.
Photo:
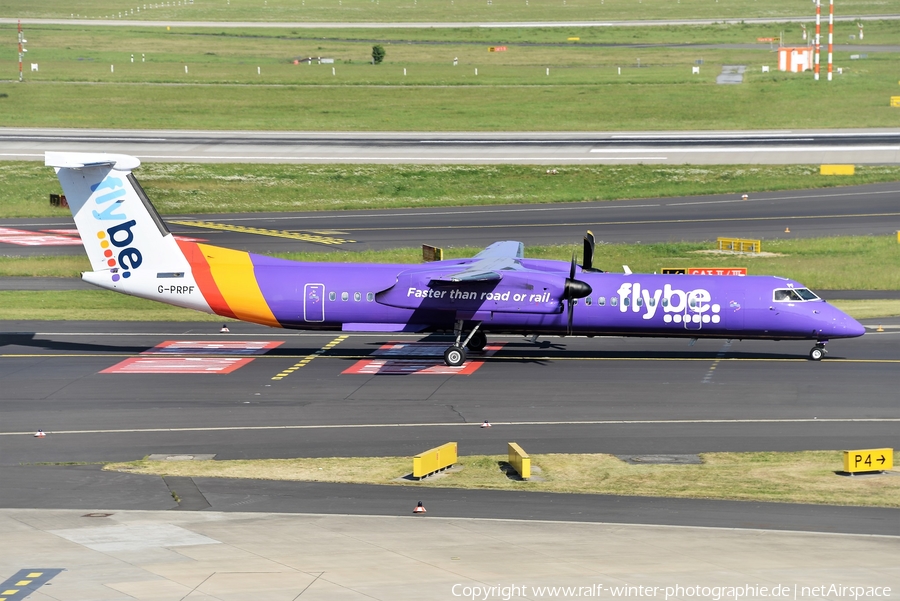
[(305, 361), (243, 229)]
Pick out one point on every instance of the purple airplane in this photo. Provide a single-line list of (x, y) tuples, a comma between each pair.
[(497, 291)]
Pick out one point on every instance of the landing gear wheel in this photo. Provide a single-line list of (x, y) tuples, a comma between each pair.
[(455, 356), (816, 353), (477, 342)]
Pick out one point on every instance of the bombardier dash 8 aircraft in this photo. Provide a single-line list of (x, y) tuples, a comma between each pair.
[(498, 291)]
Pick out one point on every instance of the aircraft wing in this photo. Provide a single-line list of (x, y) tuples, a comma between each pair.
[(489, 263)]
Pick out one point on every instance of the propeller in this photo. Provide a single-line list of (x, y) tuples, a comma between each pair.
[(573, 290)]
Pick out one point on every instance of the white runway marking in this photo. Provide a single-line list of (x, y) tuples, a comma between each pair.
[(699, 149), (672, 422)]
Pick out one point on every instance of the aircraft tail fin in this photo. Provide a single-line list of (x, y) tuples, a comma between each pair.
[(122, 233)]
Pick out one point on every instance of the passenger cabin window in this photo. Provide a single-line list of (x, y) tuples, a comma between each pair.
[(357, 296), (332, 296), (370, 296), (601, 301), (614, 301), (587, 301), (345, 296)]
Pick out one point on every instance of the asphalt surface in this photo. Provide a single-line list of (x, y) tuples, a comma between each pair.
[(574, 395), (852, 210), (850, 146)]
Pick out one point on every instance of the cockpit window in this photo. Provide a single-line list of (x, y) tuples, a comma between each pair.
[(787, 295), (807, 294)]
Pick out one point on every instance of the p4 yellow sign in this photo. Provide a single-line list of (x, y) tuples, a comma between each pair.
[(868, 460)]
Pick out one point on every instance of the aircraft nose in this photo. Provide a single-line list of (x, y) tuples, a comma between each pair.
[(840, 325)]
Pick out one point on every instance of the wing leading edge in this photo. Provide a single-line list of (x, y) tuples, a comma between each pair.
[(489, 263)]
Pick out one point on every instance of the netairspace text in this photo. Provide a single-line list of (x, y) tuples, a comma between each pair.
[(711, 593)]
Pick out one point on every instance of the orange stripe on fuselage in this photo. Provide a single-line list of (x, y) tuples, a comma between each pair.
[(203, 276), (235, 277)]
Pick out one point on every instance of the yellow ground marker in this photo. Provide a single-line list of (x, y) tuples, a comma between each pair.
[(227, 227), (305, 361)]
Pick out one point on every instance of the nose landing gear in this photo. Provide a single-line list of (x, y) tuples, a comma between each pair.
[(818, 352)]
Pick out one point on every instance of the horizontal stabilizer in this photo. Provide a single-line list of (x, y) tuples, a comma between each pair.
[(80, 160)]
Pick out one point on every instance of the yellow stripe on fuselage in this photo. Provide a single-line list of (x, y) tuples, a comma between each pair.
[(233, 273)]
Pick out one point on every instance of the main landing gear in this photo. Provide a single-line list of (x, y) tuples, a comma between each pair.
[(818, 352), (475, 341)]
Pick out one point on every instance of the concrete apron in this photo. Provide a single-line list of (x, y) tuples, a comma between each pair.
[(159, 555)]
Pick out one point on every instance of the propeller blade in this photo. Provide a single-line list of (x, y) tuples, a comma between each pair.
[(572, 291), (588, 261)]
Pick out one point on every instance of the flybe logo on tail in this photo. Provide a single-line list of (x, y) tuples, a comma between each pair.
[(116, 241)]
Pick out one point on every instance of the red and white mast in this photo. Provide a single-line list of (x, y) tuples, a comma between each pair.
[(818, 31), (21, 50), (830, 34)]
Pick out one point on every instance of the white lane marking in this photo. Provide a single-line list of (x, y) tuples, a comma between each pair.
[(38, 138), (786, 134), (671, 422), (702, 149), (329, 158), (213, 334), (326, 159)]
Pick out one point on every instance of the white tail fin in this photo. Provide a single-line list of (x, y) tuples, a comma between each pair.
[(129, 245), (121, 231)]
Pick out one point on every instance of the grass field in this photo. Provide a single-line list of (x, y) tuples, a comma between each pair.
[(182, 188), (222, 88), (425, 10), (802, 477)]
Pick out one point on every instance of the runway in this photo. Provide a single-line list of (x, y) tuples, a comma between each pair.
[(851, 146), (853, 210), (565, 395)]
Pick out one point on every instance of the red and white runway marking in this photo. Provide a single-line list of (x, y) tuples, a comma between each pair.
[(213, 347), (178, 365), (181, 357), (429, 361), (29, 238)]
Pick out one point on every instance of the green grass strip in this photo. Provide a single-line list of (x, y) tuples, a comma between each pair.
[(185, 188), (801, 477), (460, 10)]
